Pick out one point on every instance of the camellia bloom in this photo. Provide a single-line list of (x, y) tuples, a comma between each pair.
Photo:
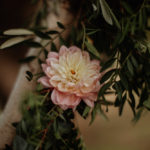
[(72, 76)]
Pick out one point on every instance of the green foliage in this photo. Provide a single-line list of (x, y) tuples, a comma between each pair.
[(92, 49), (127, 49), (45, 126)]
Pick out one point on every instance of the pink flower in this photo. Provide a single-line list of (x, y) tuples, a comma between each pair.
[(72, 76)]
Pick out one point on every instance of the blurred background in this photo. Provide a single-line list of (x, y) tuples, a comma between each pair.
[(118, 133), (13, 14)]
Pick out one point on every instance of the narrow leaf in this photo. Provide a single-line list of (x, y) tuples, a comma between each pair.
[(33, 44), (12, 41), (107, 75), (86, 111), (42, 35), (60, 25), (134, 61), (27, 59), (53, 47), (18, 32), (106, 12), (130, 67), (108, 64), (104, 88), (29, 75), (52, 32), (92, 49)]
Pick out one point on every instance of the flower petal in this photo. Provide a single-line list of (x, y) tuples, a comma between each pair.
[(53, 55), (63, 50), (64, 100), (74, 49), (45, 82), (89, 103), (44, 67), (92, 97)]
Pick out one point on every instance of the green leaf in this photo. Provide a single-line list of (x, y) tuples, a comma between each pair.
[(122, 105), (42, 35), (33, 44), (62, 41), (124, 80), (108, 14), (18, 32), (39, 87), (132, 108), (45, 53), (86, 111), (56, 130), (53, 47), (138, 115), (108, 64), (52, 32), (60, 25), (104, 88), (130, 67), (134, 61), (125, 31), (29, 75), (118, 87), (93, 115), (27, 59), (107, 75), (12, 42), (92, 49), (93, 32)]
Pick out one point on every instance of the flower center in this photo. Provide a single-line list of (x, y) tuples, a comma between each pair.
[(73, 72)]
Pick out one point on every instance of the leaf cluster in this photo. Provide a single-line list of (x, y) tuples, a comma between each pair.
[(45, 126)]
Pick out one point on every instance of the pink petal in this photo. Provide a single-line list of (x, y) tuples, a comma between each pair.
[(89, 103), (74, 49), (45, 82), (96, 62), (64, 100), (63, 50), (86, 56), (53, 55), (44, 67), (97, 87), (51, 61), (92, 97)]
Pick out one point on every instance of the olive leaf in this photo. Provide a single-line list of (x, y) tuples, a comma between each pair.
[(12, 41), (92, 49), (108, 14), (18, 32)]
